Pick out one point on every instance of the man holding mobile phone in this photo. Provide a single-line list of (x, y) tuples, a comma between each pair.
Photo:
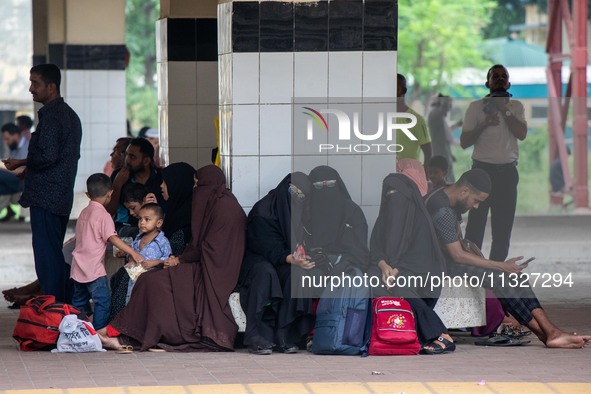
[(445, 207), (494, 125)]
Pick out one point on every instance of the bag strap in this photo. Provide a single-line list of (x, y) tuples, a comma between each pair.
[(47, 300)]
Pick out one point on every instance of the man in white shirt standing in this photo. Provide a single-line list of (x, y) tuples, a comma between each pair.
[(493, 125)]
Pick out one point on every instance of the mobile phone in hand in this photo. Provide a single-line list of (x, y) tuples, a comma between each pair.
[(528, 261)]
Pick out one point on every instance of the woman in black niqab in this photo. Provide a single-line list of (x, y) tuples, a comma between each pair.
[(274, 318), (335, 223)]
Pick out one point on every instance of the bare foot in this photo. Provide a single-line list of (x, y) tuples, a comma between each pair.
[(568, 341), (110, 343)]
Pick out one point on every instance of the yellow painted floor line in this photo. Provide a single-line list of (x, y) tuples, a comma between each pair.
[(334, 387)]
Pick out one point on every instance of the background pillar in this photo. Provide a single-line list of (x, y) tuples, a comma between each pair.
[(186, 55), (276, 56)]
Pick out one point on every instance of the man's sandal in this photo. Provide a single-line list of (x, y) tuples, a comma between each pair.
[(437, 348)]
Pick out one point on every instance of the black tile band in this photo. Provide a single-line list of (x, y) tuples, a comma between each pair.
[(87, 57), (343, 25), (192, 39)]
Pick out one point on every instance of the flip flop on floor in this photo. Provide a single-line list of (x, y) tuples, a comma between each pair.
[(124, 350), (501, 340)]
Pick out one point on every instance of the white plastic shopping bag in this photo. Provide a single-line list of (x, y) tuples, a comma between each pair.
[(77, 336)]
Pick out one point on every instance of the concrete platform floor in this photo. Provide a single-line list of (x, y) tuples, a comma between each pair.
[(561, 244)]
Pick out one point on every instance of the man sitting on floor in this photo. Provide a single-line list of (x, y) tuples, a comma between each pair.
[(445, 207)]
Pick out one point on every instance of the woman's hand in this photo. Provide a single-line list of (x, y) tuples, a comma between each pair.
[(172, 261), (148, 264), (304, 263), (388, 273), (150, 198)]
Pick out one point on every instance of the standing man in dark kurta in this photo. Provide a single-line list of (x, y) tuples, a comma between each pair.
[(51, 167), (494, 125)]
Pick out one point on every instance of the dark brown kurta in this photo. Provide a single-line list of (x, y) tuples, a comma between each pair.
[(185, 308)]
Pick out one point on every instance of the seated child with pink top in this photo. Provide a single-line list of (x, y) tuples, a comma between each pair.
[(94, 229)]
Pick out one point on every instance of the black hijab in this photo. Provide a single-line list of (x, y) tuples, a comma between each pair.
[(329, 207), (281, 206), (179, 182), (394, 236)]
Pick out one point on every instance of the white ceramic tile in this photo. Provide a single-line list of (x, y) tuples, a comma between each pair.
[(203, 157), (276, 75), (116, 83), (307, 163), (225, 79), (344, 75), (96, 160), (345, 142), (311, 74), (182, 83), (206, 134), (182, 126), (379, 74), (188, 155), (225, 112), (273, 170), (226, 166), (162, 40), (305, 120), (99, 81), (207, 82), (98, 109), (275, 129), (349, 168), (86, 142), (374, 170), (245, 78), (374, 126), (245, 130), (80, 183), (163, 128), (80, 106), (75, 82), (98, 134), (117, 110), (245, 179), (224, 28), (115, 131), (162, 82)]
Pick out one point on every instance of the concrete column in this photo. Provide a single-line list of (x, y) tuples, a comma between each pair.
[(282, 60), (86, 39), (186, 55)]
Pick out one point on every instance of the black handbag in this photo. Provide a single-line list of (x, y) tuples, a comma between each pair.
[(323, 261)]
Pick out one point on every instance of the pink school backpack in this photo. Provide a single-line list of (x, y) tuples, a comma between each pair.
[(393, 330)]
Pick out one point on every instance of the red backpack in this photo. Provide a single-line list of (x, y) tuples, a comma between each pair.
[(393, 330), (38, 322)]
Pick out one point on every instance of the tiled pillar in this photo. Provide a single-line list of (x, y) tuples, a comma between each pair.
[(86, 40), (186, 55), (277, 57)]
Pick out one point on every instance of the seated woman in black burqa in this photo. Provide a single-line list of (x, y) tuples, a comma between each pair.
[(336, 226), (403, 243), (274, 228)]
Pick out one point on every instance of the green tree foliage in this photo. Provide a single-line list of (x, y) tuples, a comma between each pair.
[(140, 37), (507, 13), (438, 38)]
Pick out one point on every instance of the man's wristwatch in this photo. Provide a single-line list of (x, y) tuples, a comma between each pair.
[(508, 113)]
